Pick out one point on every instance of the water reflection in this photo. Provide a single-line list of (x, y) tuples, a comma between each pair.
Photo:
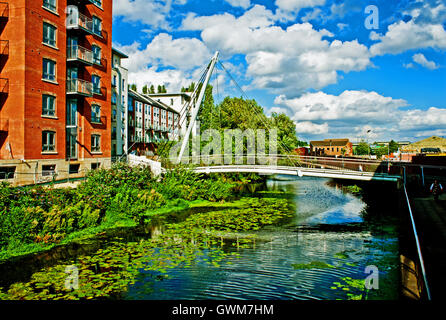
[(267, 270)]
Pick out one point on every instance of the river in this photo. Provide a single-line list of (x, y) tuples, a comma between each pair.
[(328, 226), (320, 252)]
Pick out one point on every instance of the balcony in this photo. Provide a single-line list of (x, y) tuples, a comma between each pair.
[(80, 54), (4, 86), (79, 87), (4, 125), (4, 48), (4, 11), (78, 21)]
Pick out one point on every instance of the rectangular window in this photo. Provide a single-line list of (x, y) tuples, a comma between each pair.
[(96, 55), (74, 168), (95, 143), (95, 113), (48, 141), (96, 84), (114, 98), (95, 166), (49, 170), (50, 4), (49, 34), (48, 105), (7, 173), (114, 81), (49, 70), (97, 2), (97, 26)]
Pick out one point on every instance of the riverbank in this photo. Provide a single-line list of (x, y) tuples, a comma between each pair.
[(37, 219)]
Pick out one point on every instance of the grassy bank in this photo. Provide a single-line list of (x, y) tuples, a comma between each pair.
[(34, 219)]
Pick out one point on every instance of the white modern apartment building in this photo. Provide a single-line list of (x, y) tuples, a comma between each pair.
[(120, 117)]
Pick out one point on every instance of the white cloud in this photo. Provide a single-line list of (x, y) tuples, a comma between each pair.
[(311, 128), (150, 12), (421, 60), (402, 36), (245, 4), (287, 60), (353, 113)]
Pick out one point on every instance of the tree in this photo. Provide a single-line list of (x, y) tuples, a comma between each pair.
[(152, 89), (208, 113), (286, 134), (145, 89), (393, 146), (362, 149), (160, 89), (133, 87), (163, 89)]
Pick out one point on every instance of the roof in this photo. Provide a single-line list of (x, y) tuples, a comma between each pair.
[(148, 100), (119, 53), (432, 142), (330, 143)]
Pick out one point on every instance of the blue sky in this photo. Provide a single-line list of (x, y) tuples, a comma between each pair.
[(314, 60)]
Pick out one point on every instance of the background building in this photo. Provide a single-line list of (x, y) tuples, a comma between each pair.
[(150, 123), (176, 101), (332, 147), (55, 87), (119, 143)]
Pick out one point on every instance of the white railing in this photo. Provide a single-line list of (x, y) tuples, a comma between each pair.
[(79, 53)]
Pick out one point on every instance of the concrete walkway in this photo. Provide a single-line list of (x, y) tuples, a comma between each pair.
[(430, 220)]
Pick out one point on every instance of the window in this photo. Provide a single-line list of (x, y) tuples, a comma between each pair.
[(49, 70), (97, 2), (96, 84), (48, 105), (50, 4), (7, 173), (97, 26), (95, 113), (95, 166), (48, 170), (95, 143), (114, 98), (114, 80), (49, 34), (96, 55), (48, 141), (74, 168)]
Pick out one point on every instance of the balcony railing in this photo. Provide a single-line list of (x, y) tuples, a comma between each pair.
[(4, 47), (4, 86), (77, 20), (78, 53), (4, 125), (4, 10), (78, 86)]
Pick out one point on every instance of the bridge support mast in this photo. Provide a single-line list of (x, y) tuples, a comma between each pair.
[(197, 106)]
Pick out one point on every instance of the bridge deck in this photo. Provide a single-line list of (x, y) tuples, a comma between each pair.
[(300, 171)]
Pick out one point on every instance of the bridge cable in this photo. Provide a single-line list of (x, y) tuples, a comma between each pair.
[(285, 148)]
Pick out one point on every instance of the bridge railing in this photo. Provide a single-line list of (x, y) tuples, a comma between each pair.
[(344, 164)]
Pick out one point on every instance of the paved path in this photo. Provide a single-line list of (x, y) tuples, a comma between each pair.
[(430, 219)]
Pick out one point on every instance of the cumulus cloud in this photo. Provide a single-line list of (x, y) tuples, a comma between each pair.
[(421, 60), (150, 12), (309, 127), (402, 36), (245, 4), (320, 113), (289, 60)]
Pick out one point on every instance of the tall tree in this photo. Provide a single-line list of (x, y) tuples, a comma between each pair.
[(152, 89), (133, 87), (286, 131), (145, 89), (160, 89)]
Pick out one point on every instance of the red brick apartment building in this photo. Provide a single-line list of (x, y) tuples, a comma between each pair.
[(55, 88)]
